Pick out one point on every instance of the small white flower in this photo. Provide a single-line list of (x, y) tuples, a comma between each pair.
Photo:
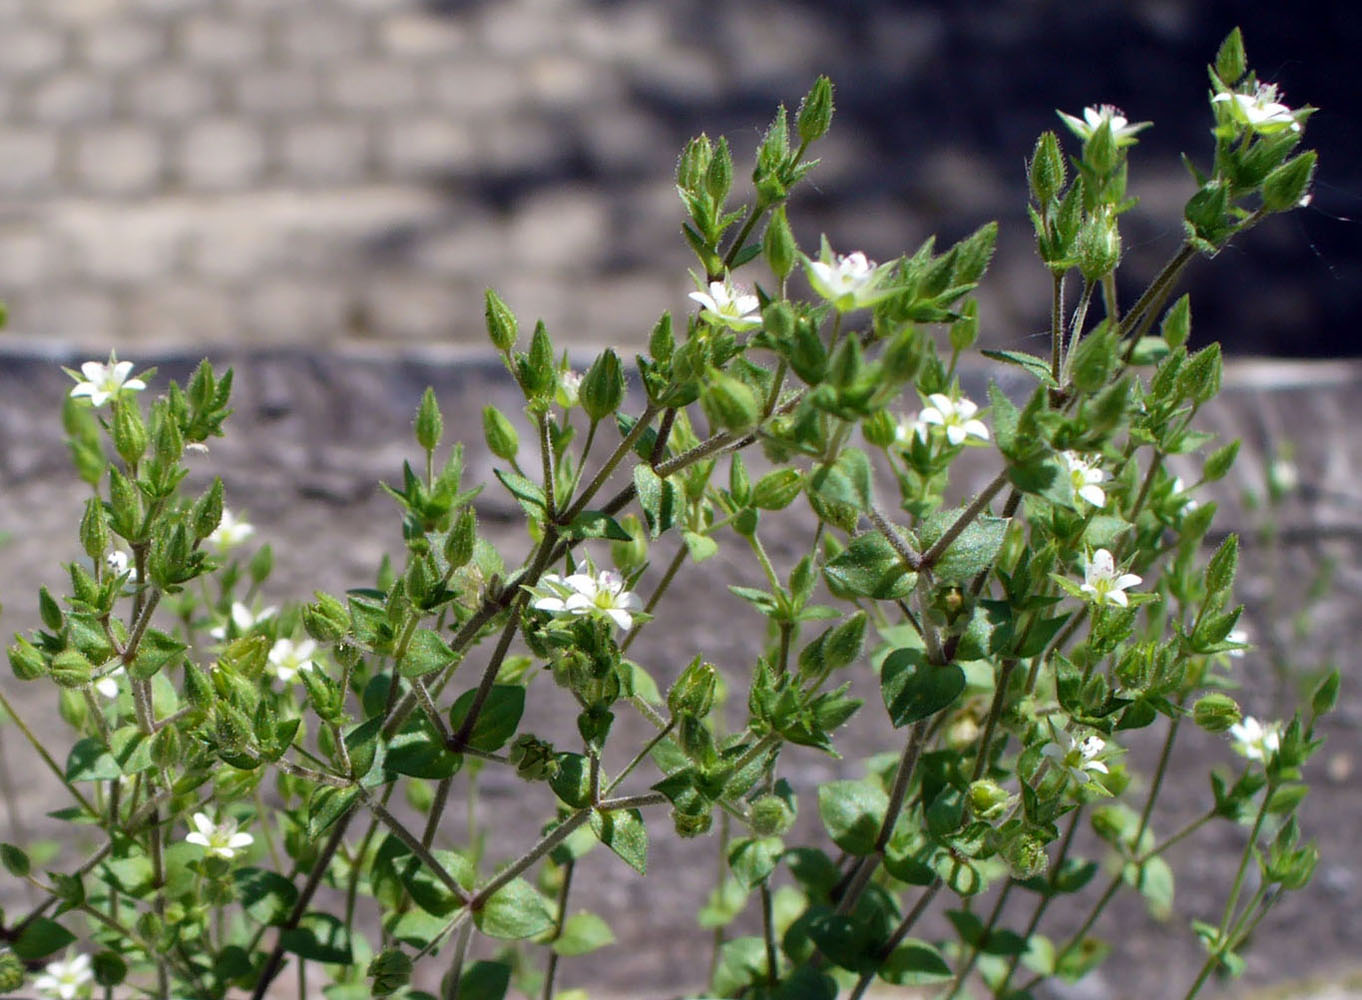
[(119, 562), (955, 417), (848, 281), (585, 594), (103, 382), (196, 448), (1078, 757), (108, 684), (1122, 131), (229, 533), (1241, 636), (1084, 475), (910, 427), (1254, 740), (243, 618), (1260, 111), (1102, 581), (569, 387), (66, 979), (727, 304), (1179, 495), (1283, 477), (288, 658), (221, 840)]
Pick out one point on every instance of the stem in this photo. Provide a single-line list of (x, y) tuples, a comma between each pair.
[(546, 457), (900, 932), (886, 528), (639, 757), (551, 971), (552, 839), (1157, 287), (673, 568), (993, 916), (1056, 326), (605, 471), (768, 929), (52, 765), (419, 849), (1080, 318), (456, 965), (966, 518)]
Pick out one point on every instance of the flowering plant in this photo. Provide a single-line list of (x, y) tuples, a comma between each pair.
[(273, 785)]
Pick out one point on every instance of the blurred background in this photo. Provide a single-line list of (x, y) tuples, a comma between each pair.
[(313, 172)]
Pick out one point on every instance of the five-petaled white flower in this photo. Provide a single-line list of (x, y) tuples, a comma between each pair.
[(1094, 117), (108, 684), (585, 594), (909, 427), (849, 281), (119, 562), (1254, 740), (221, 840), (569, 388), (289, 658), (66, 979), (1104, 583), (955, 417), (1084, 475), (1260, 110), (243, 618), (727, 304), (229, 533), (1078, 757), (103, 382)]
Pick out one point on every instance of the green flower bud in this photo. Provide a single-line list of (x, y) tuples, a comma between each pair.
[(688, 825), (602, 388), (729, 403), (430, 424), (72, 708), (1230, 60), (538, 371), (1216, 712), (49, 610), (1100, 152), (661, 342), (261, 564), (26, 661), (71, 669), (779, 244), (1025, 855), (206, 514), (1099, 246), (693, 165), (693, 692), (534, 759), (770, 816), (501, 324), (879, 429), (129, 432), (903, 355), (390, 970), (777, 490), (110, 968), (232, 728), (328, 701), (501, 436), (198, 690), (326, 619), (719, 175), (12, 972), (94, 529), (125, 504), (419, 795), (462, 539), (988, 800), (167, 749), (1288, 186), (1046, 172), (815, 111), (169, 440)]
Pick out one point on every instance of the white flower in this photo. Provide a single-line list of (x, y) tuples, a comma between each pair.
[(1094, 117), (1084, 475), (243, 618), (119, 562), (1077, 757), (229, 533), (910, 426), (955, 416), (727, 304), (1241, 636), (66, 979), (1260, 111), (585, 594), (1254, 740), (108, 684), (1179, 495), (288, 658), (103, 382), (1283, 477), (1104, 583), (569, 386), (221, 840)]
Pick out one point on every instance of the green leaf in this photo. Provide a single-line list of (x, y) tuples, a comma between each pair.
[(530, 494), (595, 524), (40, 938), (752, 859), (266, 896), (421, 754), (132, 749), (426, 653), (852, 812), (15, 860), (658, 497), (484, 981), (156, 650), (1035, 366), (328, 804), (90, 761), (622, 831), (513, 912), (417, 928), (869, 567), (915, 963), (583, 933), (914, 689), (319, 937), (973, 550), (700, 547), (1154, 880), (497, 722)]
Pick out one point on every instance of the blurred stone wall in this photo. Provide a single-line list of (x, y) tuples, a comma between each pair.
[(305, 172)]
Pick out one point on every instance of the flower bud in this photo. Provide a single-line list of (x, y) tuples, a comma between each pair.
[(1287, 186), (327, 699), (125, 506), (629, 556), (719, 175), (11, 972), (71, 669), (1099, 246), (661, 342), (693, 165), (693, 692), (49, 610), (777, 490), (206, 514), (688, 825), (501, 324), (500, 433), (326, 619), (198, 690), (1025, 855), (729, 403), (602, 388), (779, 244), (232, 728), (903, 355), (988, 800), (1230, 60), (537, 372), (462, 539), (1216, 712), (770, 816), (169, 440), (430, 424), (167, 749), (26, 661), (534, 759), (815, 111), (129, 433), (879, 429), (390, 970), (94, 528), (1046, 170)]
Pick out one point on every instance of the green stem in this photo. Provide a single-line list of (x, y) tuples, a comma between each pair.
[(605, 471), (900, 932), (973, 957), (1056, 326), (456, 965), (673, 568), (52, 765), (417, 847), (967, 517), (551, 971)]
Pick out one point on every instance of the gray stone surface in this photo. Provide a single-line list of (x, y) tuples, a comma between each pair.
[(314, 430)]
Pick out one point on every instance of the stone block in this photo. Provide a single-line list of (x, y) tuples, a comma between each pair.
[(321, 38), (375, 86), (27, 255), (468, 244), (118, 245), (474, 86), (403, 308), (62, 312), (416, 35), (275, 91), (234, 246), (80, 12), (167, 92), (424, 147), (294, 310), (322, 152), (28, 50), (181, 313), (211, 40), (122, 43), (118, 160), (71, 98), (564, 230), (28, 161), (220, 154)]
